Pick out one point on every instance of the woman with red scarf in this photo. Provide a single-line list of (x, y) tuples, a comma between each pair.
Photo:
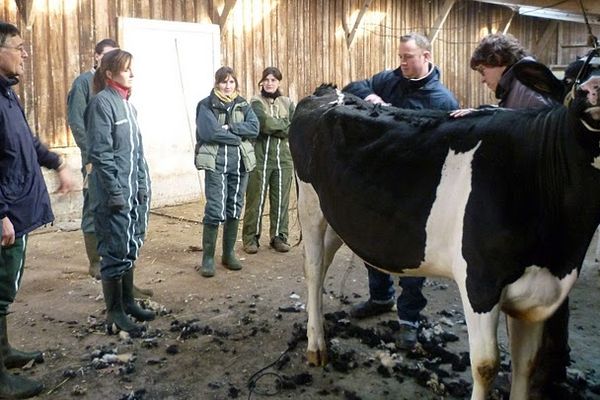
[(120, 186)]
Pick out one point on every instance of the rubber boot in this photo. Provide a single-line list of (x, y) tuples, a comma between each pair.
[(230, 231), (17, 386), (209, 242), (115, 314), (91, 248), (130, 305), (14, 358)]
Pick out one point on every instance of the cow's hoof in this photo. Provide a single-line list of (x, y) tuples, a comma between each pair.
[(316, 358)]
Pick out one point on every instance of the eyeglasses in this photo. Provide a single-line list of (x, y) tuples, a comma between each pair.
[(20, 48), (481, 68)]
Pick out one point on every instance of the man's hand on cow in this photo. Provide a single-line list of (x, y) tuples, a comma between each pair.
[(373, 98), (8, 232), (462, 112)]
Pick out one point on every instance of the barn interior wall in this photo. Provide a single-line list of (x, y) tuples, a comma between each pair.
[(305, 38)]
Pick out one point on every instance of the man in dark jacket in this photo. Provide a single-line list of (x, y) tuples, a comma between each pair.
[(415, 85), (24, 202)]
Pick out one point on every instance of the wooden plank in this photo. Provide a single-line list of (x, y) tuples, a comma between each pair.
[(506, 24), (361, 14), (439, 22), (548, 34)]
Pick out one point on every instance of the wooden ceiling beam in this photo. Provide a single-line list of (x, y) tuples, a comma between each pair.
[(221, 18), (351, 34), (27, 10), (543, 43), (439, 22)]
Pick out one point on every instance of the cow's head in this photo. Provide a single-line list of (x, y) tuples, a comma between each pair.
[(584, 77)]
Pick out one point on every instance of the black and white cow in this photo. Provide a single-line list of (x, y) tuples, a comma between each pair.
[(503, 202)]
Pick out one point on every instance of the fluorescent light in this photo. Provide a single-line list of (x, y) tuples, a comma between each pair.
[(550, 13)]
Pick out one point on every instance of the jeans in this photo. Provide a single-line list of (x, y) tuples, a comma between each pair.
[(411, 301)]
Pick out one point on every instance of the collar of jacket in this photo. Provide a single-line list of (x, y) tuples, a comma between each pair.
[(415, 84), (6, 83), (217, 103), (507, 78)]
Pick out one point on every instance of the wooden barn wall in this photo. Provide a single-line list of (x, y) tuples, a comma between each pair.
[(305, 38)]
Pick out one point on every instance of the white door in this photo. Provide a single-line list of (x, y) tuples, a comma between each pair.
[(173, 65)]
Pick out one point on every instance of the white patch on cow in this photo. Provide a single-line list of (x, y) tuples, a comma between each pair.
[(340, 98), (444, 229), (596, 162), (536, 294)]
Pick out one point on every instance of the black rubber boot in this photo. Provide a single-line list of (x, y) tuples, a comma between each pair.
[(17, 386), (370, 308), (130, 305), (91, 249), (115, 314), (14, 358), (230, 231), (209, 242)]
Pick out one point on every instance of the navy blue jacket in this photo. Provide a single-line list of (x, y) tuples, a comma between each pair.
[(23, 193), (416, 94)]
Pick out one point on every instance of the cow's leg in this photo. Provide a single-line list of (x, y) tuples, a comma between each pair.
[(483, 347), (525, 339), (320, 245)]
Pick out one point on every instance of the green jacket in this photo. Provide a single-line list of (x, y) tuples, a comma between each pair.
[(77, 100), (211, 115), (272, 145)]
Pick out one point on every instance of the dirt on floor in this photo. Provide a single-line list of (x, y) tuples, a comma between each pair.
[(242, 334)]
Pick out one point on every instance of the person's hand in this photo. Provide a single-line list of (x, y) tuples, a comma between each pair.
[(142, 195), (66, 181), (8, 232), (373, 98), (116, 203), (461, 112)]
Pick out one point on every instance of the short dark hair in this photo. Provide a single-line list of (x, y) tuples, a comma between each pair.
[(421, 41), (271, 71), (222, 74), (114, 61), (105, 43), (498, 50), (7, 30)]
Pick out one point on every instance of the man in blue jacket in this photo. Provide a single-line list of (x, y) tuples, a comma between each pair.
[(24, 202), (415, 84)]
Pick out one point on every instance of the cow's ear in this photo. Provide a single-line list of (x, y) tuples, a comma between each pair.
[(539, 78)]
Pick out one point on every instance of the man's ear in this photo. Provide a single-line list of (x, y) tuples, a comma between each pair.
[(427, 55), (109, 74)]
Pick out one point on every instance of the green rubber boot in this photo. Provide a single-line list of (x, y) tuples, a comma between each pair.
[(14, 358), (209, 242), (230, 231), (17, 386), (91, 249), (115, 313), (130, 305)]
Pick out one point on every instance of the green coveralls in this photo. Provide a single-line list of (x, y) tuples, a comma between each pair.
[(12, 260), (77, 100), (274, 170), (120, 172)]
